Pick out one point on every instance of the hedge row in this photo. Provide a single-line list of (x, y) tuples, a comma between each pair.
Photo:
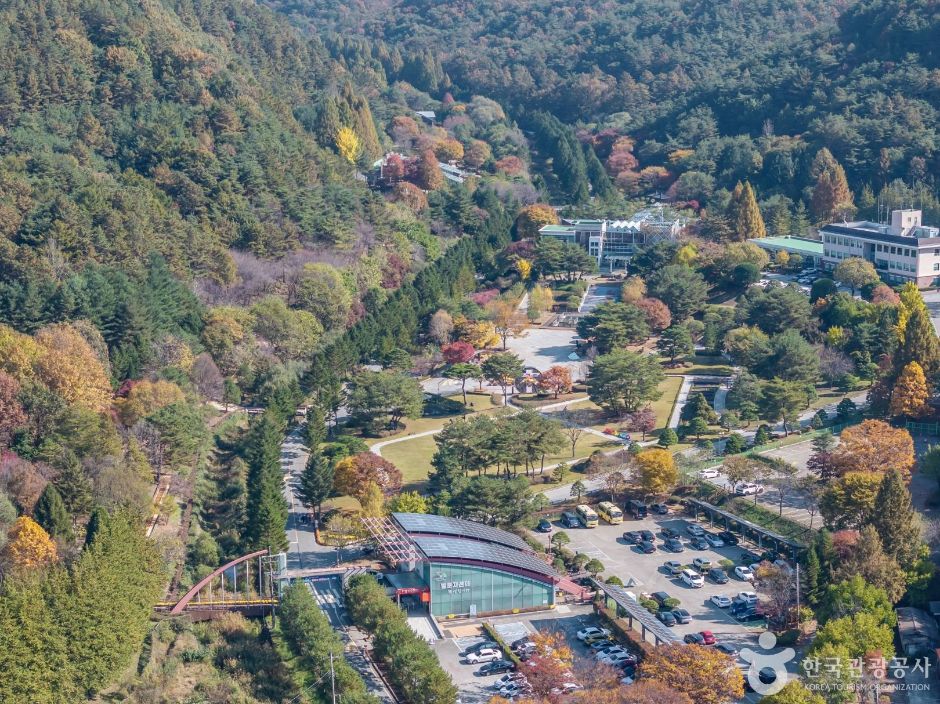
[(411, 665)]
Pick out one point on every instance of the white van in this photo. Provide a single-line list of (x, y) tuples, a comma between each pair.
[(693, 579)]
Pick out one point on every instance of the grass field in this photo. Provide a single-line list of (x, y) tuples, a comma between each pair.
[(826, 395), (661, 407), (413, 457), (702, 365), (476, 403)]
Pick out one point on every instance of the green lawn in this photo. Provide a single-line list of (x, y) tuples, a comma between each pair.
[(827, 394), (477, 403), (413, 457), (703, 365)]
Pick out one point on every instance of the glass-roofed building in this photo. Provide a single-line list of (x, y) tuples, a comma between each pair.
[(462, 568)]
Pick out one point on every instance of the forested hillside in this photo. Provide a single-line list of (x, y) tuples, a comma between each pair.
[(719, 91)]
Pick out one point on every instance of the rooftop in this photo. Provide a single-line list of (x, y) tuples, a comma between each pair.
[(800, 245), (439, 547), (429, 524)]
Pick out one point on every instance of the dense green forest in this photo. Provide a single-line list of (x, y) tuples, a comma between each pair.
[(707, 93)]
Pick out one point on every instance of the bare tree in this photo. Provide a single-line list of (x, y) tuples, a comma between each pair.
[(615, 483), (833, 364), (779, 586), (811, 490)]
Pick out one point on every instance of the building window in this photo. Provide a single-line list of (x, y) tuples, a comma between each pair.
[(936, 267)]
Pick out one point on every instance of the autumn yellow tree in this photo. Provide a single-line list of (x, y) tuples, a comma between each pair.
[(479, 333), (372, 501), (656, 471), (29, 546), (911, 300), (506, 319), (147, 397), (348, 144), (524, 267), (632, 290), (69, 367), (874, 446), (706, 675), (910, 393), (540, 300), (532, 218)]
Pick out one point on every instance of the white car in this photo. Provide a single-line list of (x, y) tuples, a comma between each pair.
[(507, 678), (748, 489), (695, 530), (693, 579), (714, 540), (617, 649), (618, 660), (746, 598), (592, 631), (515, 689), (710, 473), (745, 573), (722, 601), (485, 655), (702, 564)]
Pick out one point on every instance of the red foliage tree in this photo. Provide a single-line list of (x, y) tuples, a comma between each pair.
[(458, 352), (657, 313), (511, 166), (642, 421), (394, 170), (883, 293), (556, 380)]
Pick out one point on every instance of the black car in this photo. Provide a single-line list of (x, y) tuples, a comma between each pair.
[(496, 667), (661, 509), (647, 535), (718, 575), (767, 675), (647, 547), (682, 616), (660, 597), (674, 545), (728, 537), (544, 526), (699, 544), (667, 618), (477, 647), (520, 641), (523, 644), (694, 638), (727, 649), (669, 533), (632, 537)]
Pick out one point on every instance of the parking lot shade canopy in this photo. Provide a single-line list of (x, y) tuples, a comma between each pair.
[(625, 601)]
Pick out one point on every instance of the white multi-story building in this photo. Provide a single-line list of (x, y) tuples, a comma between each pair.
[(613, 242), (905, 250)]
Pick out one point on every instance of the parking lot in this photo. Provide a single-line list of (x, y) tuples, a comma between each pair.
[(645, 574)]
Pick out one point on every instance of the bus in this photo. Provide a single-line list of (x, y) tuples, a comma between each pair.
[(637, 508), (586, 515), (609, 512)]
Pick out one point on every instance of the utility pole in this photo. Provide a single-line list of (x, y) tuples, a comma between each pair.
[(332, 677), (797, 594)]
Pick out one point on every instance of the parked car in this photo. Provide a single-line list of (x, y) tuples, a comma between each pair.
[(544, 526), (632, 537), (695, 530), (667, 618), (647, 535), (746, 597), (621, 659), (660, 597), (610, 651), (748, 489), (674, 545), (708, 637), (477, 647), (710, 473), (600, 646), (496, 667), (767, 675), (596, 637), (698, 544), (647, 547), (507, 678), (518, 642), (525, 649), (727, 649), (714, 540), (692, 578), (592, 631), (669, 532), (515, 689), (729, 537), (659, 509), (682, 616), (718, 575), (745, 573), (702, 564), (673, 567), (694, 639), (722, 601), (485, 655)]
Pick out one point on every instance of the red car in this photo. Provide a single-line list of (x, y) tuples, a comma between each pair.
[(708, 638)]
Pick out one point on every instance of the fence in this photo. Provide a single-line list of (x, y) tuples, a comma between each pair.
[(923, 428)]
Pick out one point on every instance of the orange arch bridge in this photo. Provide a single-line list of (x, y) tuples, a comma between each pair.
[(253, 595)]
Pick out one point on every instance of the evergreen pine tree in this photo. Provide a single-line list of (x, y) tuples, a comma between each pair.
[(51, 514), (896, 521), (811, 576), (73, 486), (96, 523), (266, 509), (315, 429), (800, 223), (826, 552), (316, 482), (920, 343)]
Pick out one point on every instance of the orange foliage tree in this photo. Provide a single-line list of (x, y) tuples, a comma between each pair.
[(874, 446), (910, 393), (532, 217), (556, 380), (29, 546), (353, 475), (548, 667), (706, 675)]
